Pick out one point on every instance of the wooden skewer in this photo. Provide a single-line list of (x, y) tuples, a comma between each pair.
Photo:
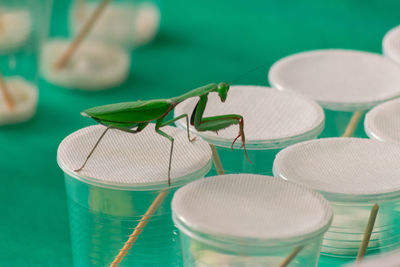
[(139, 228), (367, 233), (217, 160), (63, 60), (351, 127), (3, 88), (80, 9), (291, 256)]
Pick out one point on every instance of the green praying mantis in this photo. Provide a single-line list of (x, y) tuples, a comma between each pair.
[(133, 117)]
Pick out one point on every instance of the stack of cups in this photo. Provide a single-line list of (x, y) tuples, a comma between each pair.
[(353, 174), (123, 191), (272, 120), (250, 220), (344, 82), (23, 23)]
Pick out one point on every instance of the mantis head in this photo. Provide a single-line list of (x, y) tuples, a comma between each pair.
[(223, 89)]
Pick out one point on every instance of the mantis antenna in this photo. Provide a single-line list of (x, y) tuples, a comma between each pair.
[(4, 90), (63, 60)]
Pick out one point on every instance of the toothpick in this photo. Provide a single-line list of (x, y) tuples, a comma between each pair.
[(217, 160), (139, 228), (367, 233), (63, 60), (351, 127), (291, 256), (3, 88)]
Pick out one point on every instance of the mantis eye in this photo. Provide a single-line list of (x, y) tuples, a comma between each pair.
[(223, 89)]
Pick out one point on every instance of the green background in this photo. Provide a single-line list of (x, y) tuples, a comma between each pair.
[(199, 42)]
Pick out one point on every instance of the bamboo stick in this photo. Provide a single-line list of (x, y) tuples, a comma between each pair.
[(217, 160), (353, 123), (291, 256), (7, 96), (367, 233), (80, 10), (63, 60), (139, 228)]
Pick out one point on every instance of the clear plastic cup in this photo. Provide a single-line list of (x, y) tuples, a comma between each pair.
[(123, 190), (23, 24), (353, 174), (249, 220), (272, 120), (345, 83), (128, 23)]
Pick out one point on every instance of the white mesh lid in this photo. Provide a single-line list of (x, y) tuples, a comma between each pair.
[(391, 44), (383, 123), (272, 119), (257, 207), (125, 160), (391, 259), (338, 79), (343, 168)]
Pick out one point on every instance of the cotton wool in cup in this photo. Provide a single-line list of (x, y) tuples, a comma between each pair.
[(123, 177), (94, 65), (249, 220), (122, 23), (341, 81), (353, 174), (382, 123), (15, 28), (24, 96), (272, 120)]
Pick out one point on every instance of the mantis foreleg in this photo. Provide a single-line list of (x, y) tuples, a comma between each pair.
[(216, 123)]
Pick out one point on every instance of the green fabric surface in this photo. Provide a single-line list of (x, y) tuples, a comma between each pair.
[(199, 42)]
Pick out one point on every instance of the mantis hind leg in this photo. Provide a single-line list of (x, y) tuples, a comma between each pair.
[(139, 128)]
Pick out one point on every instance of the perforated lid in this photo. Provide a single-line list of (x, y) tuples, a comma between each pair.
[(15, 28), (338, 79), (391, 44), (126, 160), (350, 168), (383, 122), (272, 119), (391, 259), (250, 206)]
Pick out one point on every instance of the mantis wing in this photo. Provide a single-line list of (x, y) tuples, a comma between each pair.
[(130, 112)]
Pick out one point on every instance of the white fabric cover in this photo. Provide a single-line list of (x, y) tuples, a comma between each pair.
[(94, 66), (250, 206), (127, 159), (344, 80), (383, 122), (272, 119), (349, 166), (391, 44)]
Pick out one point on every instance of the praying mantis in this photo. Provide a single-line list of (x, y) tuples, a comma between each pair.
[(133, 117)]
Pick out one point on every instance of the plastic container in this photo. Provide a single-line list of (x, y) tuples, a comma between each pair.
[(353, 174), (249, 220), (341, 81), (129, 23), (272, 120), (390, 44), (23, 24), (382, 123), (109, 197)]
